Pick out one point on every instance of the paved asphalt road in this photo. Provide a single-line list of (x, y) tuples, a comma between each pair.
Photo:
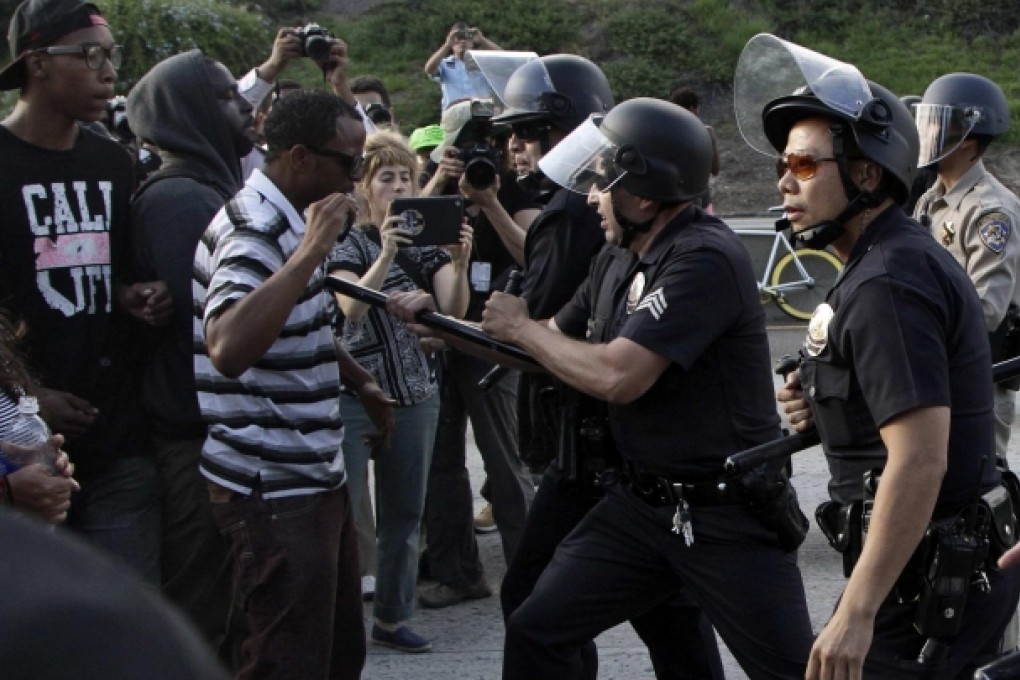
[(468, 638)]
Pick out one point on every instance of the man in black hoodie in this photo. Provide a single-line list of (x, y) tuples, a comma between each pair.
[(187, 105)]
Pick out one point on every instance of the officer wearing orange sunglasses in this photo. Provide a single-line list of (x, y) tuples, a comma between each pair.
[(895, 376)]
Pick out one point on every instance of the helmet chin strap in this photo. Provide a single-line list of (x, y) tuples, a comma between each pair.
[(535, 181), (630, 228), (820, 235)]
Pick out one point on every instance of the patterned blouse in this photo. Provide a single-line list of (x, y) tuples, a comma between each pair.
[(381, 343)]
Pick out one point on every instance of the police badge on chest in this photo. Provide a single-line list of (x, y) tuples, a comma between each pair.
[(637, 287)]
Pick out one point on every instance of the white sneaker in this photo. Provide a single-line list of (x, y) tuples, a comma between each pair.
[(484, 521), (367, 587)]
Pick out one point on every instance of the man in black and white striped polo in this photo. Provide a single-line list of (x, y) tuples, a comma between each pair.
[(268, 380)]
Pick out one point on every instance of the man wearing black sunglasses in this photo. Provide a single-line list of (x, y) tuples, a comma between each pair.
[(268, 382), (63, 231)]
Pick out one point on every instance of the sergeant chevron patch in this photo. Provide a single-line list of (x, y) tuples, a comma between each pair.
[(654, 302)]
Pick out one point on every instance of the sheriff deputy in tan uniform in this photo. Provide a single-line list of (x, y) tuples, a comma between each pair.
[(971, 212)]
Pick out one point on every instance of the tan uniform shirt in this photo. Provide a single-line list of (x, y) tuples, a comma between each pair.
[(977, 222)]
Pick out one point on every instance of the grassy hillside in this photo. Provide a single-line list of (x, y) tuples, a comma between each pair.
[(648, 47)]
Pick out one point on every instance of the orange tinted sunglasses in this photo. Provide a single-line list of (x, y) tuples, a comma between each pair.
[(802, 165)]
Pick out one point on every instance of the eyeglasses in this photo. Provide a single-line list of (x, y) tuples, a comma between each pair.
[(95, 55), (802, 165), (529, 132), (353, 164)]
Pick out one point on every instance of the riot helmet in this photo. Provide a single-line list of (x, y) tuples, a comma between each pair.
[(561, 89), (786, 83), (955, 107), (652, 148), (557, 91)]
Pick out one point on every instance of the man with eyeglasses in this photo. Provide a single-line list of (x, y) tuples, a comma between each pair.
[(268, 371), (65, 192)]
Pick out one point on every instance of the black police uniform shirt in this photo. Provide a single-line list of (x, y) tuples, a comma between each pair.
[(62, 239), (692, 298), (558, 251), (906, 332)]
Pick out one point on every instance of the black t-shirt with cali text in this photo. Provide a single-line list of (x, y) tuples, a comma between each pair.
[(62, 226)]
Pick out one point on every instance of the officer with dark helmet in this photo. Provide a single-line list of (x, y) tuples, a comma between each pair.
[(896, 376), (668, 334), (543, 100), (972, 213)]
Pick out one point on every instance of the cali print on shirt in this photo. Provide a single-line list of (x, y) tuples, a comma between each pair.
[(72, 244)]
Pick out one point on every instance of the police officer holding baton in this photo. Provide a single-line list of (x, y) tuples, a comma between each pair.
[(668, 331), (896, 376)]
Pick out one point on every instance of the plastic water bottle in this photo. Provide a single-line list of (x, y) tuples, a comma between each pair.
[(28, 440)]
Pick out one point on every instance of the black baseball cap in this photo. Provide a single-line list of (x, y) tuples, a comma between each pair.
[(39, 23)]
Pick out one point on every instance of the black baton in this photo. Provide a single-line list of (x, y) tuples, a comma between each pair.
[(786, 446), (498, 372)]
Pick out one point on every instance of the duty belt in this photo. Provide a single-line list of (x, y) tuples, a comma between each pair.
[(659, 491)]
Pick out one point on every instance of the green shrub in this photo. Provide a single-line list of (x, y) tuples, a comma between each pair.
[(152, 30)]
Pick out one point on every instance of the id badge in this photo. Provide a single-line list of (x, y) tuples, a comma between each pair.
[(481, 276)]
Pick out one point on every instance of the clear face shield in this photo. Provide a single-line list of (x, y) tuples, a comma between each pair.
[(585, 158), (490, 70), (770, 68), (942, 129)]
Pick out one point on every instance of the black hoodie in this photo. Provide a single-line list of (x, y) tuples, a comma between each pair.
[(175, 107)]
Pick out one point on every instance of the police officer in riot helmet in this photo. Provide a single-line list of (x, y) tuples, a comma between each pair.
[(666, 332), (895, 376), (972, 213), (543, 100), (541, 116)]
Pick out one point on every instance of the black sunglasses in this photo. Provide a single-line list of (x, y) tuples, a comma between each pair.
[(353, 164), (530, 132)]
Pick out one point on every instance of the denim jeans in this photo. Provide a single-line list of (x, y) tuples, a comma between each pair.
[(401, 474), (118, 510), (296, 573)]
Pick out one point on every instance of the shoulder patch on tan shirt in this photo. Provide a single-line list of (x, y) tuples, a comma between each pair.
[(995, 229)]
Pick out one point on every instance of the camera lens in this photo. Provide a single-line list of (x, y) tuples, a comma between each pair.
[(379, 114), (480, 172), (317, 48)]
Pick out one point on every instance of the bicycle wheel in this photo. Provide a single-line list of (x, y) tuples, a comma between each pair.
[(800, 301)]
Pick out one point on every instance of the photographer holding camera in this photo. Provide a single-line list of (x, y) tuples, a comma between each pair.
[(446, 65), (293, 42), (470, 162)]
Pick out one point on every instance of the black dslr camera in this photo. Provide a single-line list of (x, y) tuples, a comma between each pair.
[(379, 114), (315, 42), (481, 160)]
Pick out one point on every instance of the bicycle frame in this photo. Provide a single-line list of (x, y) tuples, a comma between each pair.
[(779, 240)]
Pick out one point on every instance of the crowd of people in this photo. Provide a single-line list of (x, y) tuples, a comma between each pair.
[(208, 288)]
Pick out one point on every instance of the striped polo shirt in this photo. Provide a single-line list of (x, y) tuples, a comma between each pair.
[(279, 422)]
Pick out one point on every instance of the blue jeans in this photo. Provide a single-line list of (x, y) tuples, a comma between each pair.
[(401, 476), (118, 510)]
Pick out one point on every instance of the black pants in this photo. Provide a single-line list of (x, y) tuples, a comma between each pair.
[(680, 639), (894, 651), (622, 560), (449, 512)]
